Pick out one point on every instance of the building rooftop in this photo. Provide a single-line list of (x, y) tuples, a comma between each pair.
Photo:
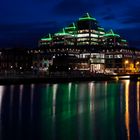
[(111, 33), (87, 17)]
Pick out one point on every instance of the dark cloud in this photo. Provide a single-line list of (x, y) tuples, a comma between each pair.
[(73, 7), (132, 35), (42, 0), (131, 20), (132, 32), (132, 15), (134, 43), (26, 27), (109, 17), (28, 20), (133, 10), (113, 1), (26, 35)]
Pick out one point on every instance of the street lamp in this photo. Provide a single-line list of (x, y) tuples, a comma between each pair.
[(125, 62), (137, 65)]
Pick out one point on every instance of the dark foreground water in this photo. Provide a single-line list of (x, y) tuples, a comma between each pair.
[(71, 111)]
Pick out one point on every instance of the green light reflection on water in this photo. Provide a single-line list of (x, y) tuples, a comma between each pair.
[(92, 110)]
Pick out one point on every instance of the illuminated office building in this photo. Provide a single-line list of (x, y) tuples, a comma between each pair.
[(110, 39), (85, 31), (87, 46), (46, 41)]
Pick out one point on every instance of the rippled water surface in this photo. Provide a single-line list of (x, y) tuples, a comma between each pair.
[(70, 111)]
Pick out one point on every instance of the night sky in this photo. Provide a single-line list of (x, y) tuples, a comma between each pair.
[(24, 22)]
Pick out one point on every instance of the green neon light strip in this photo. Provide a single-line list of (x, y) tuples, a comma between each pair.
[(47, 38), (87, 18), (111, 31), (50, 36), (123, 40), (111, 35), (72, 27), (62, 33), (101, 28)]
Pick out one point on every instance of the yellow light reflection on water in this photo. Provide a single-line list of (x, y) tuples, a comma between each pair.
[(138, 105), (127, 83)]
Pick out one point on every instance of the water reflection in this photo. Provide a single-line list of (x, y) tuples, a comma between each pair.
[(138, 105), (32, 101), (1, 96), (127, 82), (89, 110), (20, 102)]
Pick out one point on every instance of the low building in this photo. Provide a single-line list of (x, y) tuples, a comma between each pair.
[(15, 60)]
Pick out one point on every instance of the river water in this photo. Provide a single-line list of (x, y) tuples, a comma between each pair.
[(70, 111)]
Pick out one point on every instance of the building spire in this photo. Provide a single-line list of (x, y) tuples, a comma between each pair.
[(111, 33), (87, 16)]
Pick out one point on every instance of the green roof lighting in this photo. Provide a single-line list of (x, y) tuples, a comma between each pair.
[(111, 33), (49, 38), (71, 26), (102, 29), (87, 17), (62, 33), (123, 40)]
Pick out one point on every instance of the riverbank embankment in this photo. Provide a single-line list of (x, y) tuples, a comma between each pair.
[(57, 78)]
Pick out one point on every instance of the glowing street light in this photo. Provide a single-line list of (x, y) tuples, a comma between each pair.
[(126, 62), (137, 66), (137, 63)]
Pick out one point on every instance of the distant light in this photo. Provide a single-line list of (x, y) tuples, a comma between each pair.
[(126, 62), (11, 67), (117, 78), (125, 77), (20, 68), (137, 63)]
